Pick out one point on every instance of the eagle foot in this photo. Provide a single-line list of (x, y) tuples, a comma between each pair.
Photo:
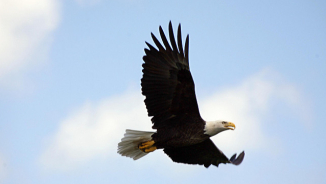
[(147, 146), (147, 150)]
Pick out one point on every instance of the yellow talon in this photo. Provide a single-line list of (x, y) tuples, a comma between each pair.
[(145, 145), (153, 148)]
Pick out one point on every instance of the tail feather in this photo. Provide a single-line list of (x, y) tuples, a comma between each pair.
[(129, 143)]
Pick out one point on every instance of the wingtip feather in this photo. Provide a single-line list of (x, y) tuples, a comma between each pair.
[(238, 160)]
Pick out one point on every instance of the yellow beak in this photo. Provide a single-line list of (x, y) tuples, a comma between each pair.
[(229, 125)]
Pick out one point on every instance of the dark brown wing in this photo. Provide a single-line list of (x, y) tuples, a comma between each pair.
[(205, 153), (167, 82)]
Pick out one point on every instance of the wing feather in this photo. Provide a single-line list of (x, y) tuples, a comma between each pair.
[(167, 83), (180, 40), (165, 41), (204, 153), (172, 40)]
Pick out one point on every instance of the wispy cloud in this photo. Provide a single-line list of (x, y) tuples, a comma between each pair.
[(93, 130), (248, 105), (25, 32)]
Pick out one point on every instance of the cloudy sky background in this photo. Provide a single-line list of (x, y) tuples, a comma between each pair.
[(70, 85)]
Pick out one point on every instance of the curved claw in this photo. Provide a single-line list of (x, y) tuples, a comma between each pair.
[(238, 160)]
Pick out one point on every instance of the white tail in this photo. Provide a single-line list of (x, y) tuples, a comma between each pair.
[(129, 143)]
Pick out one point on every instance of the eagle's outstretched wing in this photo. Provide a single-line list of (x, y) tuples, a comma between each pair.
[(167, 82), (204, 153)]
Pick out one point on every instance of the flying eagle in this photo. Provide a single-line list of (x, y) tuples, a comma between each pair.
[(171, 101)]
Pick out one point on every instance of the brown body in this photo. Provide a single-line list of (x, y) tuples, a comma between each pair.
[(179, 135)]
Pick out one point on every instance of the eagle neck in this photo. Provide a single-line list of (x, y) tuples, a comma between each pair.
[(212, 128)]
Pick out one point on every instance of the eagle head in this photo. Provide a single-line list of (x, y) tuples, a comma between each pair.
[(214, 127)]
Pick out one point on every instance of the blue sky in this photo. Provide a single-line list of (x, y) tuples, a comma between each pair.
[(70, 85)]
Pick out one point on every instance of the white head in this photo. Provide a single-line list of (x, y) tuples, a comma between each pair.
[(214, 127)]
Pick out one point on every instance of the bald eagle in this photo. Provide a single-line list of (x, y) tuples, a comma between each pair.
[(171, 101)]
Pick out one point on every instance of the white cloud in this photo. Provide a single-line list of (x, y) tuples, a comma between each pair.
[(25, 29), (93, 130), (248, 105)]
